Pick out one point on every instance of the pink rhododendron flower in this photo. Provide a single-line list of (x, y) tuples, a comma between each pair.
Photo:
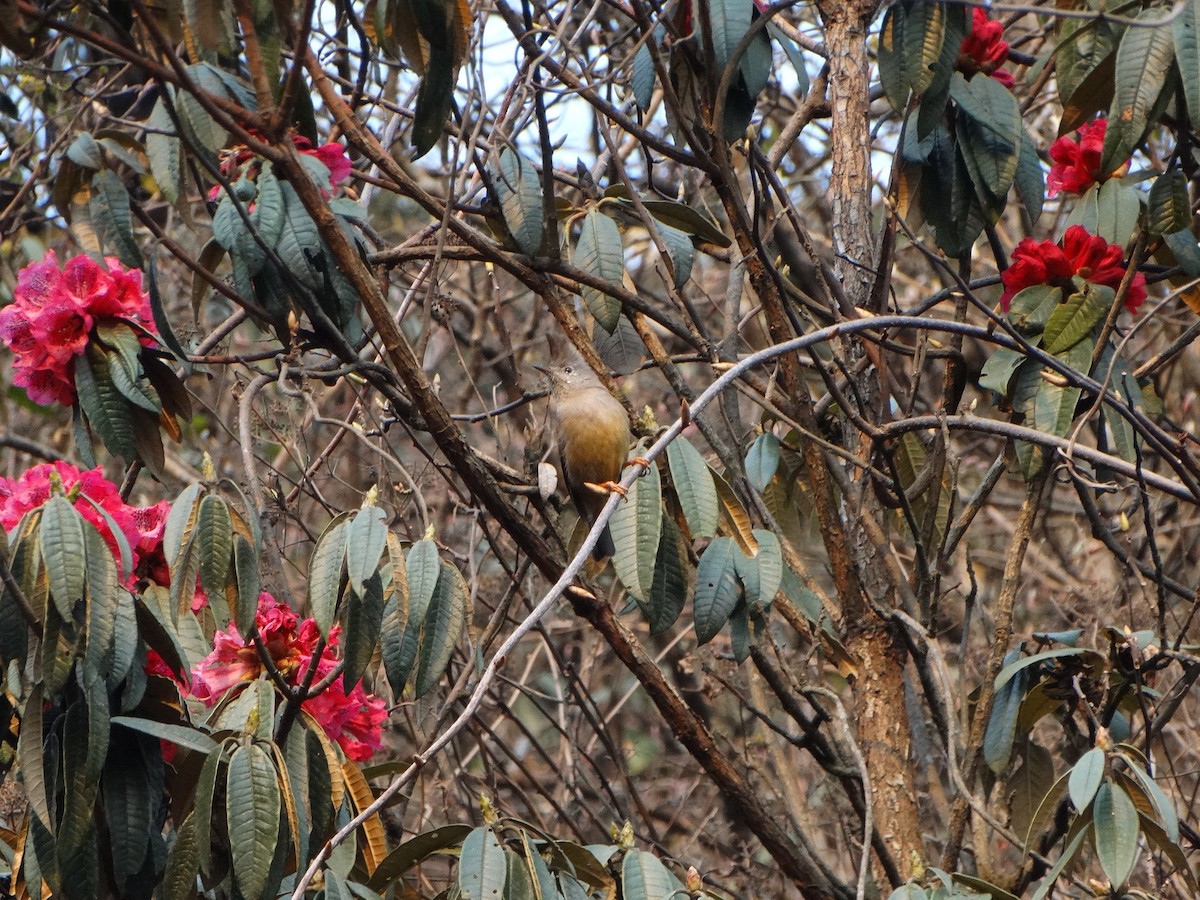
[(352, 720), (32, 489), (1075, 162), (53, 314), (1089, 256), (242, 162), (984, 50)]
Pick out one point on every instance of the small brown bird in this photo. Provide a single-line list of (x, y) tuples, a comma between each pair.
[(591, 431)]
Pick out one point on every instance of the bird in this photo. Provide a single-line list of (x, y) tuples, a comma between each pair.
[(591, 431)]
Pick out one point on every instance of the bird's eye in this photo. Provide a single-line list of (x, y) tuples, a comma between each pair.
[(567, 370)]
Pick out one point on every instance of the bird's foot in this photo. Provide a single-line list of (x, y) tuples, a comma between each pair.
[(638, 461), (606, 487)]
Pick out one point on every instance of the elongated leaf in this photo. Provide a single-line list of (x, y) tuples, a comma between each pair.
[(245, 563), (363, 618), (214, 543), (424, 571), (110, 210), (687, 220), (761, 574), (1115, 826), (252, 808), (191, 738), (728, 22), (1002, 726), (762, 460), (682, 253), (1170, 209), (443, 624), (482, 868), (1143, 61), (62, 545), (126, 791), (325, 572), (1187, 56), (1086, 776), (412, 851), (636, 526), (643, 77), (103, 404), (644, 877), (716, 588), (1031, 308), (1072, 320), (1029, 178), (910, 44), (366, 538), (519, 193), (1159, 800), (668, 591), (599, 253), (163, 151), (31, 760), (694, 488)]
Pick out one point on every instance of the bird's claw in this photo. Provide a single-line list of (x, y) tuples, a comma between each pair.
[(638, 461), (606, 487)]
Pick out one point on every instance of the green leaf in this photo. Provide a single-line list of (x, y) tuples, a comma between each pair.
[(214, 543), (1030, 180), (482, 869), (423, 569), (910, 45), (989, 134), (795, 57), (1086, 776), (412, 851), (644, 877), (104, 599), (252, 807), (366, 538), (693, 487), (1002, 725), (325, 572), (1186, 251), (680, 249), (126, 793), (363, 616), (762, 460), (1031, 308), (443, 624), (1187, 56), (599, 252), (761, 574), (1162, 804), (999, 368), (176, 734), (728, 22), (163, 152), (110, 210), (519, 193), (716, 588), (636, 526), (1143, 62), (183, 862), (1011, 670), (1170, 208), (31, 759), (668, 591), (623, 350), (1115, 827), (61, 542), (84, 151), (1118, 208), (1083, 47), (102, 403), (1073, 320), (643, 78), (435, 99), (687, 220), (249, 586), (947, 195)]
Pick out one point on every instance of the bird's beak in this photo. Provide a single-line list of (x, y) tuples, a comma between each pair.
[(542, 369)]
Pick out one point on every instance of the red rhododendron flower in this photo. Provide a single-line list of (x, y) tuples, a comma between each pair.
[(241, 162), (352, 720), (1075, 162), (52, 316), (32, 489), (1089, 256), (983, 50)]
